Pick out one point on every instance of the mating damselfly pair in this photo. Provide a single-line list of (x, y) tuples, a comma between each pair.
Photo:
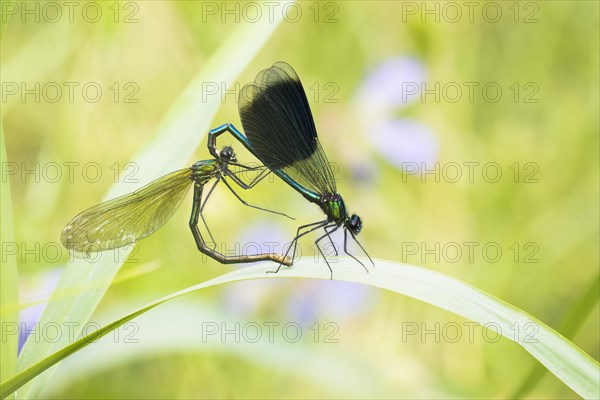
[(279, 131)]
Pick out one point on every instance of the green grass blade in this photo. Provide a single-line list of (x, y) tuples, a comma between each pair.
[(333, 369), (561, 357), (575, 318), (9, 283), (4, 18), (179, 134)]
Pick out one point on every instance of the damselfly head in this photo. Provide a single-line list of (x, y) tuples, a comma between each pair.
[(227, 154), (354, 223)]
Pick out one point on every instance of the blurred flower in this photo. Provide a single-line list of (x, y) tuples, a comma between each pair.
[(263, 238), (392, 84), (363, 172), (403, 141), (334, 300), (34, 290), (387, 89)]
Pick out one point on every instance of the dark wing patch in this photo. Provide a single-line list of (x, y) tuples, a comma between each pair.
[(278, 122)]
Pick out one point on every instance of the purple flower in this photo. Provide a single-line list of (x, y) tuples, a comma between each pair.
[(392, 84), (387, 89), (41, 286), (405, 141), (336, 301), (263, 238)]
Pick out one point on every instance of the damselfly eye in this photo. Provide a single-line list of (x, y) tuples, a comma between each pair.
[(227, 154), (354, 224)]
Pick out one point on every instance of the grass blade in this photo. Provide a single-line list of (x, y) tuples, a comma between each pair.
[(333, 370), (9, 283), (561, 357), (575, 318), (4, 21)]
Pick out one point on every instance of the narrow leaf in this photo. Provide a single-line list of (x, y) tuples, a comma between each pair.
[(561, 357), (9, 296)]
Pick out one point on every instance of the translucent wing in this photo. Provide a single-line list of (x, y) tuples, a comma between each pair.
[(248, 174), (279, 125), (126, 219)]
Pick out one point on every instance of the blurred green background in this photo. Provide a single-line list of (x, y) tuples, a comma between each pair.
[(353, 58)]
